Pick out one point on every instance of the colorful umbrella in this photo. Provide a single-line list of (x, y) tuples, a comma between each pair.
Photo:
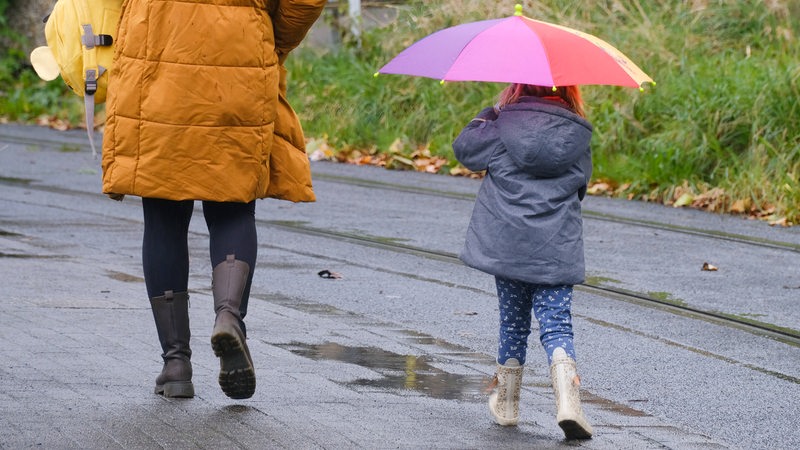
[(517, 49)]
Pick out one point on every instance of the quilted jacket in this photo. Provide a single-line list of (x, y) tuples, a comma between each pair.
[(196, 105), (526, 224)]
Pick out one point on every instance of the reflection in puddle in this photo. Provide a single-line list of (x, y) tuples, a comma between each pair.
[(399, 371)]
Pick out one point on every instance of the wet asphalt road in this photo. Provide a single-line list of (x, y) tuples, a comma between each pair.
[(396, 352)]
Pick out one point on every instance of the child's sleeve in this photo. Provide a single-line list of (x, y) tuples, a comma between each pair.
[(586, 167), (477, 142)]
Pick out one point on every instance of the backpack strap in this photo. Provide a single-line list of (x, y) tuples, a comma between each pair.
[(91, 69)]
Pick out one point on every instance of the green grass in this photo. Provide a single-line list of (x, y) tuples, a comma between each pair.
[(721, 124), (719, 131)]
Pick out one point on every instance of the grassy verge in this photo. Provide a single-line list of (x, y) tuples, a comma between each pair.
[(23, 96), (719, 132)]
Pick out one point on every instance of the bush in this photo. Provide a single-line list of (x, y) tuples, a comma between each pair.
[(23, 96)]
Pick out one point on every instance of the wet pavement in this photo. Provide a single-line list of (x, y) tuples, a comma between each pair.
[(397, 352)]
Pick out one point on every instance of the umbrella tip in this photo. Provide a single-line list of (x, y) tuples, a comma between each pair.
[(641, 88), (517, 9)]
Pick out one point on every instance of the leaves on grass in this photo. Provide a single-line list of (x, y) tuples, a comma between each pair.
[(53, 122), (700, 197), (402, 155)]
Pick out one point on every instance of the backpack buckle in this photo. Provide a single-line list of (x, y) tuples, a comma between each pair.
[(104, 40), (91, 81)]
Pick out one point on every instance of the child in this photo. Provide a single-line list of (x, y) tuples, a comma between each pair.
[(526, 230)]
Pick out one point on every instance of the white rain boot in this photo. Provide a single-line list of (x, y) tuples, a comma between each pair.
[(504, 400), (566, 385)]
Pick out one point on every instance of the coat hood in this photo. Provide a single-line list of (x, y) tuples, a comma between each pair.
[(544, 145)]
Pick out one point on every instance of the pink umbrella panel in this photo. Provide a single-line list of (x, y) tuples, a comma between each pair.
[(517, 49)]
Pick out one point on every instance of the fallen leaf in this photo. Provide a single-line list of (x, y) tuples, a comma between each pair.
[(683, 200), (709, 268), (598, 188), (782, 222), (329, 275), (460, 171), (740, 206)]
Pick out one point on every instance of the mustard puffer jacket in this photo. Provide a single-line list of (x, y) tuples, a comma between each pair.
[(196, 105)]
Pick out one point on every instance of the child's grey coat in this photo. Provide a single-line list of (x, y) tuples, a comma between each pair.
[(526, 224)]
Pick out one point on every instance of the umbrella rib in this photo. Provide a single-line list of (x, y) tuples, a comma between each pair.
[(544, 48)]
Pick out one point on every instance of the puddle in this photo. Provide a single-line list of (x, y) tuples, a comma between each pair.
[(426, 339), (401, 372)]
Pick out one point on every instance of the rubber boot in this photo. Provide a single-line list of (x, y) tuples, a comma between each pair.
[(237, 377), (171, 313), (504, 400), (566, 384)]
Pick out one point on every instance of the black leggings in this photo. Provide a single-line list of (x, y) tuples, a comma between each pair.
[(165, 250)]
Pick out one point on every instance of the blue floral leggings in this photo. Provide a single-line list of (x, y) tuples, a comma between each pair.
[(550, 305)]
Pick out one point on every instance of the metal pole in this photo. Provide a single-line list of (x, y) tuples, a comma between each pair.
[(354, 10)]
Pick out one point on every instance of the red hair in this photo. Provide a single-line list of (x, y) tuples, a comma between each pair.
[(569, 94)]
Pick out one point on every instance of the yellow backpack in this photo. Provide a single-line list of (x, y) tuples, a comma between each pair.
[(80, 37)]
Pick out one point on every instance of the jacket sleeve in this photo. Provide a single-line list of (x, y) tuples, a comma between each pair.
[(291, 21), (586, 167), (476, 143)]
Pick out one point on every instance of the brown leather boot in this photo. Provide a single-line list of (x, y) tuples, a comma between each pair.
[(171, 313), (237, 377)]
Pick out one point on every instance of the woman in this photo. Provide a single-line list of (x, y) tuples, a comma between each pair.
[(196, 110)]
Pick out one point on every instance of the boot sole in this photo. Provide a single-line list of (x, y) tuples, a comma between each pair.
[(574, 430), (176, 389), (504, 422), (237, 377)]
